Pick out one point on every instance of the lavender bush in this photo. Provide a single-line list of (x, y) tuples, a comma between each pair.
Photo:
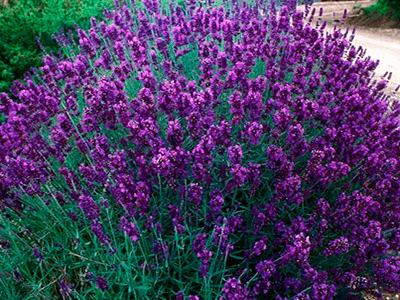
[(201, 151)]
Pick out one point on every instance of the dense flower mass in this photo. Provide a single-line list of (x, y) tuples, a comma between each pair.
[(201, 150)]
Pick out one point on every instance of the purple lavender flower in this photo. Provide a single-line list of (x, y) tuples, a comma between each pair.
[(195, 195), (294, 133), (101, 283), (254, 131), (338, 246), (237, 106), (90, 276), (4, 245), (216, 201), (161, 249), (175, 134), (89, 207), (234, 289), (98, 231), (239, 174), (235, 154), (37, 254), (177, 219), (260, 246), (288, 187), (266, 269), (277, 158), (205, 256), (130, 229), (72, 216), (200, 172), (282, 119), (18, 276), (66, 289), (323, 291), (387, 272), (141, 197), (200, 242), (299, 249), (302, 296), (180, 296)]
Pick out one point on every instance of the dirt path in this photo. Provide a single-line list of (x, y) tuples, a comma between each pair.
[(382, 44), (384, 47)]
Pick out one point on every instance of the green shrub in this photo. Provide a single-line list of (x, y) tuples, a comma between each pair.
[(24, 20), (384, 7)]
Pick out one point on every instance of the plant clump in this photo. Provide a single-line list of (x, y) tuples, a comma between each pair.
[(201, 151)]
